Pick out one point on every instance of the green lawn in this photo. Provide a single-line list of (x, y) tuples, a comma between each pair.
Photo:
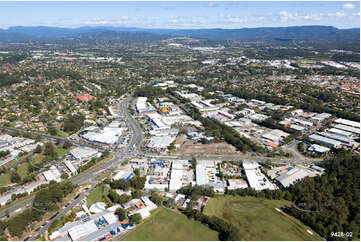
[(96, 195), (37, 159), (257, 218), (4, 179), (169, 225), (23, 170), (60, 151)]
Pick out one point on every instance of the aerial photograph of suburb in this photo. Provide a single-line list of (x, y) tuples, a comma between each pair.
[(179, 120)]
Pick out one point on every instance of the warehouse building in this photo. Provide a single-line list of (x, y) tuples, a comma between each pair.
[(201, 177), (301, 122), (160, 143), (176, 177), (107, 136), (326, 141), (320, 117), (292, 176), (236, 184), (100, 226), (340, 132), (336, 137), (256, 179), (318, 148), (348, 122), (70, 167), (350, 129), (52, 174), (156, 119), (82, 153), (204, 106)]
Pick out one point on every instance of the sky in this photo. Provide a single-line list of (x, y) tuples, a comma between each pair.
[(178, 15)]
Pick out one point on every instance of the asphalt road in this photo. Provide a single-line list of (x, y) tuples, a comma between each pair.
[(89, 176), (132, 150), (46, 136)]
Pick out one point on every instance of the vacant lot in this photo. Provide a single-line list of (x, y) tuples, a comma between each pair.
[(257, 218), (97, 195), (198, 148), (169, 225)]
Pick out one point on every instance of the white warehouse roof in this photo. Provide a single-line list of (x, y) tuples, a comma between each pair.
[(324, 140), (201, 178), (80, 153), (82, 229), (348, 128), (348, 122)]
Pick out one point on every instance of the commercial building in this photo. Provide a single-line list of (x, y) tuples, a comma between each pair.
[(275, 136), (142, 106), (107, 136), (318, 148), (123, 174), (204, 106), (81, 153), (320, 117), (160, 143), (70, 166), (301, 122), (297, 127), (156, 119), (52, 174)]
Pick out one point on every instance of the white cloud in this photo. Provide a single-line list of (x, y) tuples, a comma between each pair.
[(348, 6), (340, 14), (314, 17), (122, 20), (285, 16)]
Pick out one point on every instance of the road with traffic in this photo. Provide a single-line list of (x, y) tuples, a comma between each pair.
[(89, 176)]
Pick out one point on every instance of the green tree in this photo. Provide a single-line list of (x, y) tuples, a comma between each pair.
[(136, 193), (38, 149), (156, 198), (136, 218), (14, 177), (67, 144), (121, 213), (106, 153), (49, 150), (64, 176)]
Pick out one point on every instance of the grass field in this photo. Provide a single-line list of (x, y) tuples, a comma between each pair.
[(23, 170), (4, 179), (257, 218), (96, 195), (169, 225), (60, 151)]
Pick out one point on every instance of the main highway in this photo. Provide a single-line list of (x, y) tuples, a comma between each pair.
[(120, 155), (89, 176)]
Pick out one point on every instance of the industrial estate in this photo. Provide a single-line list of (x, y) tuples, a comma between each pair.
[(146, 135)]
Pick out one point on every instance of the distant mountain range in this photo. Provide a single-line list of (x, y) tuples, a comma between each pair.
[(318, 34)]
